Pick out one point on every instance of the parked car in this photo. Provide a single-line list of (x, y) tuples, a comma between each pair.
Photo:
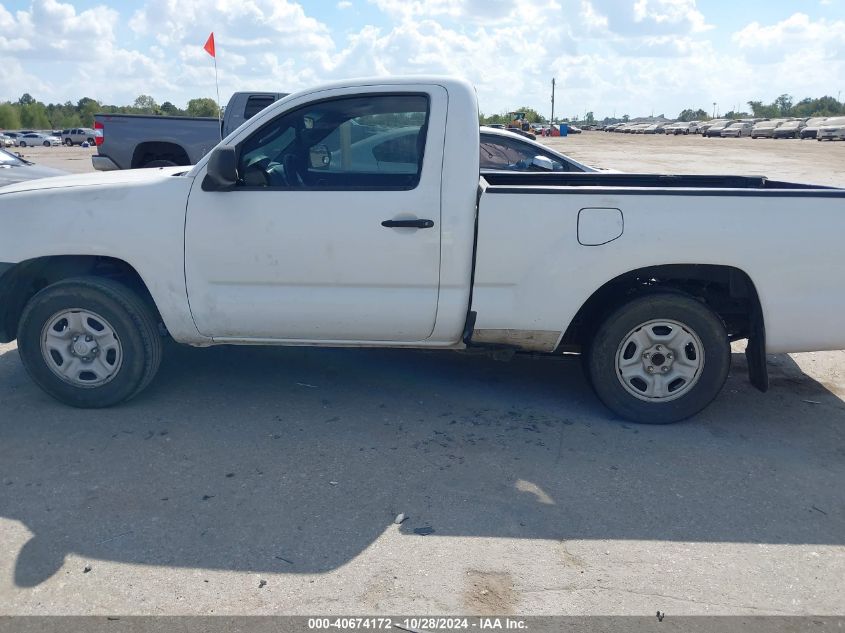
[(656, 128), (706, 125), (832, 130), (695, 127), (130, 141), (78, 136), (15, 136), (682, 127), (738, 130), (766, 129), (715, 130), (790, 129), (6, 141), (14, 169), (34, 139), (268, 240), (501, 150), (812, 127)]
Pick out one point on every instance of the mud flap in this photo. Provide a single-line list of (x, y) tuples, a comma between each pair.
[(755, 353)]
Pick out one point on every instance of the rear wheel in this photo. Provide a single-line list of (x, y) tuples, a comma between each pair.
[(659, 359), (68, 142), (46, 143), (89, 342), (22, 143)]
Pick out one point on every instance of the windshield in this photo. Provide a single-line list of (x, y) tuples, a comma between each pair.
[(9, 159)]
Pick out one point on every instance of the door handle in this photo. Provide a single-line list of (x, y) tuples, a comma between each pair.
[(411, 224)]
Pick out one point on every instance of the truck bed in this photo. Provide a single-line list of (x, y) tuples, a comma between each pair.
[(648, 184)]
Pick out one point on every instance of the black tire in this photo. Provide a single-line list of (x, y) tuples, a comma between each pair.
[(46, 143), (90, 141), (68, 142), (22, 144), (159, 163), (133, 321), (698, 318)]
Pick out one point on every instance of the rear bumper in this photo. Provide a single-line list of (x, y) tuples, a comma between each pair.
[(103, 163)]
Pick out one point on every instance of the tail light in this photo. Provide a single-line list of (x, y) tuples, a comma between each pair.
[(99, 133)]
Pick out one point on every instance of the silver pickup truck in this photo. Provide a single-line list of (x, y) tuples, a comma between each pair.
[(130, 141)]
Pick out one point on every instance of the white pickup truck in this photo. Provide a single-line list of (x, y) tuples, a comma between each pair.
[(354, 214)]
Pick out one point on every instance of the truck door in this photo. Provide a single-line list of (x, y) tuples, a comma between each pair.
[(333, 231)]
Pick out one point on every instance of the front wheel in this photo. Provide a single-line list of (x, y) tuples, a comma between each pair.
[(46, 143), (68, 142), (659, 359), (89, 342), (22, 144)]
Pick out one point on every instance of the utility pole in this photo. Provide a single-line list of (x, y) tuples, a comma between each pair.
[(552, 120), (714, 109)]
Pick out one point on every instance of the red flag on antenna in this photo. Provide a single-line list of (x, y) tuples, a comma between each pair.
[(209, 45)]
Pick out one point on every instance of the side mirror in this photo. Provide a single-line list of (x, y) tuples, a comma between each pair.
[(221, 170), (319, 157), (543, 162)]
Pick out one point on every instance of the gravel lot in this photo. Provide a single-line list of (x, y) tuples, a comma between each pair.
[(287, 466)]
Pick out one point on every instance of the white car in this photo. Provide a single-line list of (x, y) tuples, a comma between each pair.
[(6, 141), (34, 139), (738, 130), (832, 130), (501, 150), (284, 235)]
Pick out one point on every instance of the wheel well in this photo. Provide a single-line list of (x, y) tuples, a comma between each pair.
[(27, 278), (728, 291), (159, 150)]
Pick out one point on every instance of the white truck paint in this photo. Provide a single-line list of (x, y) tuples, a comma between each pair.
[(537, 262)]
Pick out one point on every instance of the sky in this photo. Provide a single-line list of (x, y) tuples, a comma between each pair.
[(611, 57)]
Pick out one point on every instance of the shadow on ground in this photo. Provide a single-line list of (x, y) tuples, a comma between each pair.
[(296, 460)]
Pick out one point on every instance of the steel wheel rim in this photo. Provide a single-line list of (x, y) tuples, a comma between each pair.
[(660, 360), (81, 348)]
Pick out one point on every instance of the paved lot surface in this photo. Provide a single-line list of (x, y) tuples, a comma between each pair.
[(289, 465)]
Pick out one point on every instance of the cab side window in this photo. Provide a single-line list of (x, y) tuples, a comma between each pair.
[(353, 143), (505, 154)]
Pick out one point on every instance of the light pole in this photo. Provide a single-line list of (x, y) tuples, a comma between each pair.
[(552, 120), (714, 109)]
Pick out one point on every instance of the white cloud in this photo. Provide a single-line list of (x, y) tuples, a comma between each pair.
[(797, 34), (344, 4)]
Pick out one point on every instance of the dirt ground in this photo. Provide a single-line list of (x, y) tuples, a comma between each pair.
[(267, 481), (807, 161)]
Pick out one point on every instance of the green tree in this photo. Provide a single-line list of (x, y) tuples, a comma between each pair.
[(169, 109), (784, 104), (9, 117), (590, 118), (26, 99), (145, 104), (763, 111), (693, 115), (202, 107), (34, 116)]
